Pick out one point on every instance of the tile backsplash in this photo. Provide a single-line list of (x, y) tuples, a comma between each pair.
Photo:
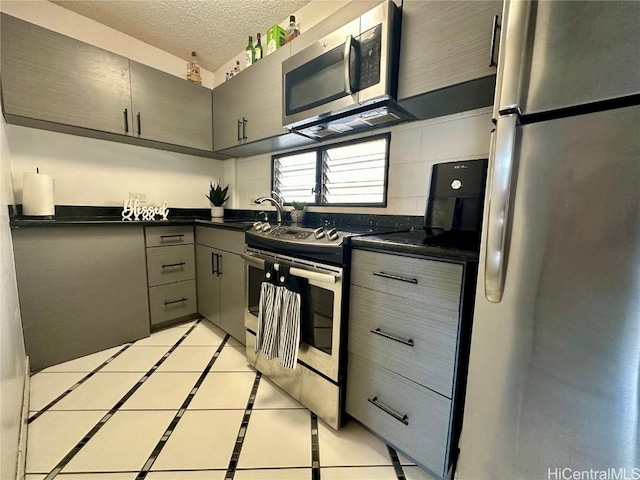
[(415, 147)]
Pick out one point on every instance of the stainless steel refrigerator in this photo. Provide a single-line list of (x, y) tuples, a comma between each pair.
[(554, 372)]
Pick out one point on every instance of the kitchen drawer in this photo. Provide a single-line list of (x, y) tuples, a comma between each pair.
[(163, 236), (171, 301), (424, 437), (429, 360), (430, 282), (170, 264), (227, 240)]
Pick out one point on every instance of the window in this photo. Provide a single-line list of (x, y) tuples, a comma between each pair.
[(350, 173)]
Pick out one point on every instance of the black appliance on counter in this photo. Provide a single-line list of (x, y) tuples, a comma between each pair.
[(455, 203)]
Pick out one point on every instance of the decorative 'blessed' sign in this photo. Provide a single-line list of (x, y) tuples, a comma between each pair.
[(133, 211)]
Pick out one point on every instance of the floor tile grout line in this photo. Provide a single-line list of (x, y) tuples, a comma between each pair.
[(315, 448), (77, 384), (74, 451), (242, 432), (397, 466), (142, 474)]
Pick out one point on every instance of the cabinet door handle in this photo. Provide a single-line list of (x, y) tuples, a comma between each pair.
[(494, 38), (401, 418), (396, 277), (244, 128), (180, 300), (377, 331), (239, 127), (126, 120), (167, 265), (139, 126), (213, 263), (162, 237), (218, 264)]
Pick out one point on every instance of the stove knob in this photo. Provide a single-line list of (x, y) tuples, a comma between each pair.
[(318, 233), (332, 234), (257, 225), (266, 227)]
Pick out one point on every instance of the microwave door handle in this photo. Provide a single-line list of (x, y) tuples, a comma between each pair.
[(349, 46)]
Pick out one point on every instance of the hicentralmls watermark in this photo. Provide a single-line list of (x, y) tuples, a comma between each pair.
[(561, 473)]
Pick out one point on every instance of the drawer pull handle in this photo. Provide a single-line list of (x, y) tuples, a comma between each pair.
[(170, 302), (401, 418), (180, 235), (395, 277), (166, 265), (377, 331)]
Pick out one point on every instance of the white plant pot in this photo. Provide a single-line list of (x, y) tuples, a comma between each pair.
[(217, 212), (297, 216)]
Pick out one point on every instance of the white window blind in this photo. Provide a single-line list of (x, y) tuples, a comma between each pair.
[(354, 173), (294, 177), (339, 174)]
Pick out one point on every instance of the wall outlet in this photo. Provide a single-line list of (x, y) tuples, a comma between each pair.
[(141, 197)]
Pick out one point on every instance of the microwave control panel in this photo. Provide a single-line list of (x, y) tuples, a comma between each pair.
[(370, 56)]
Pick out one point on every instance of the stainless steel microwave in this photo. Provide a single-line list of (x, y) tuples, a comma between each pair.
[(348, 80)]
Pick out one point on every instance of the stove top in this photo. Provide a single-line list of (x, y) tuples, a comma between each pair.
[(322, 243)]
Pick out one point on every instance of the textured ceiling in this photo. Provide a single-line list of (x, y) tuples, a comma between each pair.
[(216, 30)]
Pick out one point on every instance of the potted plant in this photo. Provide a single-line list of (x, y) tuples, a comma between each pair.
[(217, 196), (298, 212)]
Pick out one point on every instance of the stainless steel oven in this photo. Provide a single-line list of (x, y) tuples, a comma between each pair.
[(317, 381)]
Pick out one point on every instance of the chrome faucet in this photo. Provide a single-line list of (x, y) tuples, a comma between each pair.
[(277, 201)]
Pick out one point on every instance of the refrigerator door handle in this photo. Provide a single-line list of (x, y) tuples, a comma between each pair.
[(513, 55), (501, 159)]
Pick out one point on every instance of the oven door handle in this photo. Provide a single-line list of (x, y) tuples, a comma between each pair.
[(295, 271)]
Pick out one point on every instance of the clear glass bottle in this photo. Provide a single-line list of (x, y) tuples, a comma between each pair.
[(292, 30), (236, 69), (193, 70), (258, 48), (250, 52)]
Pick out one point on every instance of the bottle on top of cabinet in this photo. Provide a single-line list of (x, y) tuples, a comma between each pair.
[(236, 69), (257, 49), (193, 70), (250, 53), (292, 30)]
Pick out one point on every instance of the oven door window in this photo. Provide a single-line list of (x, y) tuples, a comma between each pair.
[(316, 313), (322, 80)]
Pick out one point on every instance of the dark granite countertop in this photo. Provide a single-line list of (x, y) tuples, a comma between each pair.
[(93, 221), (413, 242)]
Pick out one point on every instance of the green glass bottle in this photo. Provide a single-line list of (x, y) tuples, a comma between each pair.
[(250, 52), (258, 48)]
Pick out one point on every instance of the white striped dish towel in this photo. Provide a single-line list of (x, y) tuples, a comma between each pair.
[(289, 340)]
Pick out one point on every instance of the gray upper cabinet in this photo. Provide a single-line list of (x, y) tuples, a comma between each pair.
[(55, 82), (247, 110), (227, 113), (53, 78), (447, 44), (169, 109)]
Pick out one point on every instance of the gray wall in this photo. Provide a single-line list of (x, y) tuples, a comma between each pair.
[(12, 354)]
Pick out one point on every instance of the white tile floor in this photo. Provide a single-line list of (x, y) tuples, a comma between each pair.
[(200, 443)]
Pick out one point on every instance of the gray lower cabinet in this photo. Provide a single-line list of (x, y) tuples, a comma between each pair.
[(446, 44), (208, 282), (220, 278), (247, 110), (171, 273), (82, 290), (169, 109), (54, 78), (407, 327)]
